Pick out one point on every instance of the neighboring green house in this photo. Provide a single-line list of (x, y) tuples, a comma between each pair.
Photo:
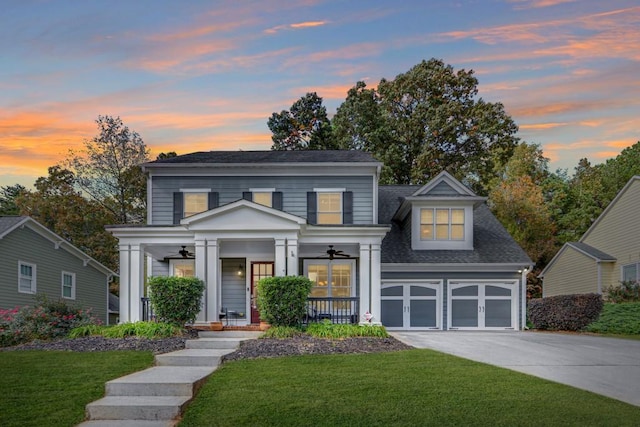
[(35, 260), (608, 253)]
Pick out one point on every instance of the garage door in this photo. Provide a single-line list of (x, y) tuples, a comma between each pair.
[(414, 305), (482, 305)]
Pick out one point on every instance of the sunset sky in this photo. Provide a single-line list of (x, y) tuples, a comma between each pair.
[(206, 75)]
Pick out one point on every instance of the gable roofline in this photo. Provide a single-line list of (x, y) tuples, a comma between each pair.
[(597, 255), (421, 195), (239, 204), (58, 242), (610, 206)]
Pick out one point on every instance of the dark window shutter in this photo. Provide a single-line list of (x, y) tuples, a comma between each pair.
[(276, 200), (347, 207), (312, 207), (213, 200), (247, 195), (178, 207)]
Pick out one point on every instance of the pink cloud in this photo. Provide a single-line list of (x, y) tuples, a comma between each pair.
[(295, 26)]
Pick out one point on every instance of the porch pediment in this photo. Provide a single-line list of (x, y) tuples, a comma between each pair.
[(243, 215)]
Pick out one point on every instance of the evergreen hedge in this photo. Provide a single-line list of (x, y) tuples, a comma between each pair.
[(176, 300), (282, 301), (565, 312)]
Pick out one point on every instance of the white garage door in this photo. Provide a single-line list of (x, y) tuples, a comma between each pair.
[(482, 305), (415, 305)]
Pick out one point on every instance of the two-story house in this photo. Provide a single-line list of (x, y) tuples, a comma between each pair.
[(430, 257)]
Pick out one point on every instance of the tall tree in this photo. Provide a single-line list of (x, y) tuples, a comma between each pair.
[(434, 121), (304, 127), (109, 170), (59, 206), (8, 196)]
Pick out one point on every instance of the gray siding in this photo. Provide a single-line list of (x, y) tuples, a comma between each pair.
[(234, 295), (294, 192), (23, 244)]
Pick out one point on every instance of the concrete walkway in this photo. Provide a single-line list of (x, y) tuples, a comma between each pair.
[(607, 366), (156, 397)]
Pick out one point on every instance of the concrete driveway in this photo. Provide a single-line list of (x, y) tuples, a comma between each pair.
[(607, 366)]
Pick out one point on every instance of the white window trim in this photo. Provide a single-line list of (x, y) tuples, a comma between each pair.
[(33, 277), (418, 244), (637, 264), (319, 191), (329, 262), (262, 190), (329, 190), (195, 190), (73, 285), (449, 223)]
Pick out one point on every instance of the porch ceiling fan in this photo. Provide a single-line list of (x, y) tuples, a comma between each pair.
[(182, 254), (332, 253)]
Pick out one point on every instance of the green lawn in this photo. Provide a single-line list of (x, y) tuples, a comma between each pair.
[(47, 388), (408, 388)]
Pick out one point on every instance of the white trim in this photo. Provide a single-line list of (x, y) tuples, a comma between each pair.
[(450, 180), (458, 267), (33, 277), (512, 285), (195, 190), (329, 190), (262, 190), (73, 285)]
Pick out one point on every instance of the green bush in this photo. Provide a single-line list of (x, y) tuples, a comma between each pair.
[(326, 329), (282, 301), (628, 291), (565, 312), (622, 318), (176, 300), (45, 320)]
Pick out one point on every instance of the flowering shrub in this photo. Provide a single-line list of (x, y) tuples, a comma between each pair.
[(44, 320)]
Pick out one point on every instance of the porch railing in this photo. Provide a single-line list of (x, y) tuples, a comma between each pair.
[(335, 309), (147, 309)]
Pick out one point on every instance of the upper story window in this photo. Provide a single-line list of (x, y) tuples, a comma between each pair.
[(631, 273), (26, 277), (263, 196), (194, 203), (68, 285), (330, 206), (441, 224)]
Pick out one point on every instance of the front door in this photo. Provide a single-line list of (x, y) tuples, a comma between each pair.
[(259, 270)]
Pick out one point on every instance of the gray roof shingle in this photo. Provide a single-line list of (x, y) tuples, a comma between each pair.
[(7, 222), (591, 251), (301, 156), (492, 244)]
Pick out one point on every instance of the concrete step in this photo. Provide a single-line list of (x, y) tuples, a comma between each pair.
[(128, 423), (151, 408), (230, 334), (193, 357), (214, 343), (160, 381)]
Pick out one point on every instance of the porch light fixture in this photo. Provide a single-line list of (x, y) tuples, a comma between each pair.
[(240, 270)]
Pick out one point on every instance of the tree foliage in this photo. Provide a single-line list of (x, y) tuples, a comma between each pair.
[(304, 127), (59, 206), (8, 196), (427, 120), (109, 170)]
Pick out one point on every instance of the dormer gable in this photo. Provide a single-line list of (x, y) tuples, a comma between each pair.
[(441, 214)]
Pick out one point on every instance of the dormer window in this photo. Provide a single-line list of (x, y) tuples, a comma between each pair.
[(441, 224)]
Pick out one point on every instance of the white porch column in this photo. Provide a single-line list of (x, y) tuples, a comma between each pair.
[(136, 282), (201, 273), (375, 283), (365, 279), (281, 258), (125, 282), (211, 292), (292, 257)]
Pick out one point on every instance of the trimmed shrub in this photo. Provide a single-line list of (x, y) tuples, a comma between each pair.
[(622, 318), (282, 301), (326, 329), (176, 300), (565, 312), (628, 291)]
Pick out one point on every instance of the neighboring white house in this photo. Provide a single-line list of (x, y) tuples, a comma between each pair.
[(608, 253), (415, 257)]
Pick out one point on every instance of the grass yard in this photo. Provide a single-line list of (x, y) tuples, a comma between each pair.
[(408, 388), (51, 388)]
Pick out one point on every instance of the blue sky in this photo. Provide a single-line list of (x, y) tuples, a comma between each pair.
[(206, 75)]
